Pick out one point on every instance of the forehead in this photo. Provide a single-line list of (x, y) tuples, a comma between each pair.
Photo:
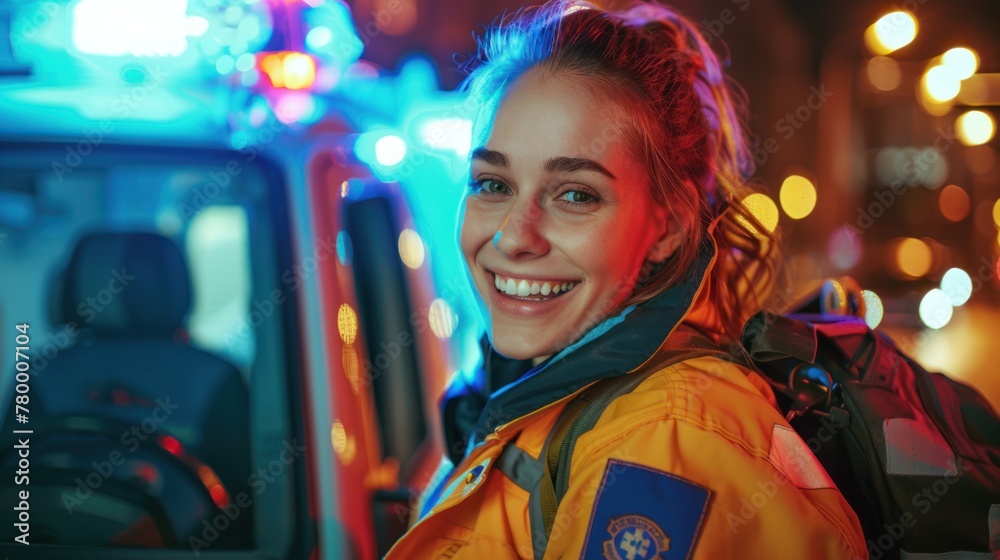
[(542, 115)]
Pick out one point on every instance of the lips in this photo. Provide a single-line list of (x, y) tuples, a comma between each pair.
[(532, 289)]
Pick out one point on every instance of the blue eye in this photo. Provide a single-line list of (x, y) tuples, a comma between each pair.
[(488, 187), (578, 197)]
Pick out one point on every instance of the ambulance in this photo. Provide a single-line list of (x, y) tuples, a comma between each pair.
[(230, 290)]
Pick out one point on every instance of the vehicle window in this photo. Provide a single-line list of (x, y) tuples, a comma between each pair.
[(158, 399)]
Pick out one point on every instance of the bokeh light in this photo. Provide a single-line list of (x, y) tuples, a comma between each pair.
[(874, 310), (996, 213), (797, 196), (288, 69), (884, 73), (345, 249), (954, 203), (913, 257), (941, 84), (762, 208), (962, 61), (342, 442), (352, 367), (442, 318), (347, 324), (411, 248), (319, 37), (974, 128), (844, 247), (935, 309), (957, 285), (891, 32), (390, 150), (338, 437)]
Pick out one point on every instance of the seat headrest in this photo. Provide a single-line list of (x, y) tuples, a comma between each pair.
[(126, 284)]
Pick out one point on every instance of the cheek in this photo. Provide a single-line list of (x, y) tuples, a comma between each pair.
[(473, 232), (615, 258)]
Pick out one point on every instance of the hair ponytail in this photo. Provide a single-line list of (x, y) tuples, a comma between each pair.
[(748, 253)]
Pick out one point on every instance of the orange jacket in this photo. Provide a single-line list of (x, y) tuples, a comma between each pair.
[(696, 462)]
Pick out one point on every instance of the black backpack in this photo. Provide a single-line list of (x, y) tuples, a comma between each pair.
[(916, 454)]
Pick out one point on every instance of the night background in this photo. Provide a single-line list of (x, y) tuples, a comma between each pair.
[(306, 158)]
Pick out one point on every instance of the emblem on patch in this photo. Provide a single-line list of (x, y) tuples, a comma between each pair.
[(648, 513), (635, 537)]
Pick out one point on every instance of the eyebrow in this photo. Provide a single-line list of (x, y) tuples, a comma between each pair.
[(552, 165)]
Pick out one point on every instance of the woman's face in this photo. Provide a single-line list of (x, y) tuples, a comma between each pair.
[(558, 220)]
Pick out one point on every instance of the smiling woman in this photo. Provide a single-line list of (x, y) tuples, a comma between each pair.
[(539, 216), (613, 264)]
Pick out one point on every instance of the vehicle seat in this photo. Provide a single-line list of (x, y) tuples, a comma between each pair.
[(129, 294)]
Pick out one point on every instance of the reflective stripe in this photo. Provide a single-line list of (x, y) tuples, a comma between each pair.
[(793, 458)]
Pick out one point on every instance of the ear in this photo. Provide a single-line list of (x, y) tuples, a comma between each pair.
[(671, 235)]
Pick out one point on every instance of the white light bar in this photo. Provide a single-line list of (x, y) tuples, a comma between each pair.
[(142, 28)]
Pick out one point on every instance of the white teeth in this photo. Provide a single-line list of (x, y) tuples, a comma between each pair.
[(523, 289), (511, 287)]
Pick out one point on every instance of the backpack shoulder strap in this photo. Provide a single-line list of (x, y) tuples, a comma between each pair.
[(583, 412)]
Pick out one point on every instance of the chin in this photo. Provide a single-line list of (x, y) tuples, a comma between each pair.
[(519, 348)]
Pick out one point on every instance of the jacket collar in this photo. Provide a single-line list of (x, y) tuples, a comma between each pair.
[(615, 347)]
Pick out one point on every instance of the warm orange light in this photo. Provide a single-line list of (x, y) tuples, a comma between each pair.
[(288, 69), (954, 203), (214, 486), (914, 257), (892, 31), (797, 196), (762, 208), (884, 73), (347, 324), (352, 367)]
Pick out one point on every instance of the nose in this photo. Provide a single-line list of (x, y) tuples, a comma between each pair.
[(521, 235)]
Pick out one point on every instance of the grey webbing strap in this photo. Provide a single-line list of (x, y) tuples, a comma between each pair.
[(687, 344), (547, 478), (531, 475), (519, 467)]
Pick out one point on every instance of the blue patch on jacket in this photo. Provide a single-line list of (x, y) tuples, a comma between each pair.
[(641, 513)]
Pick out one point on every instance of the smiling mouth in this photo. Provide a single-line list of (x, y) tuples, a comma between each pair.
[(531, 290)]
